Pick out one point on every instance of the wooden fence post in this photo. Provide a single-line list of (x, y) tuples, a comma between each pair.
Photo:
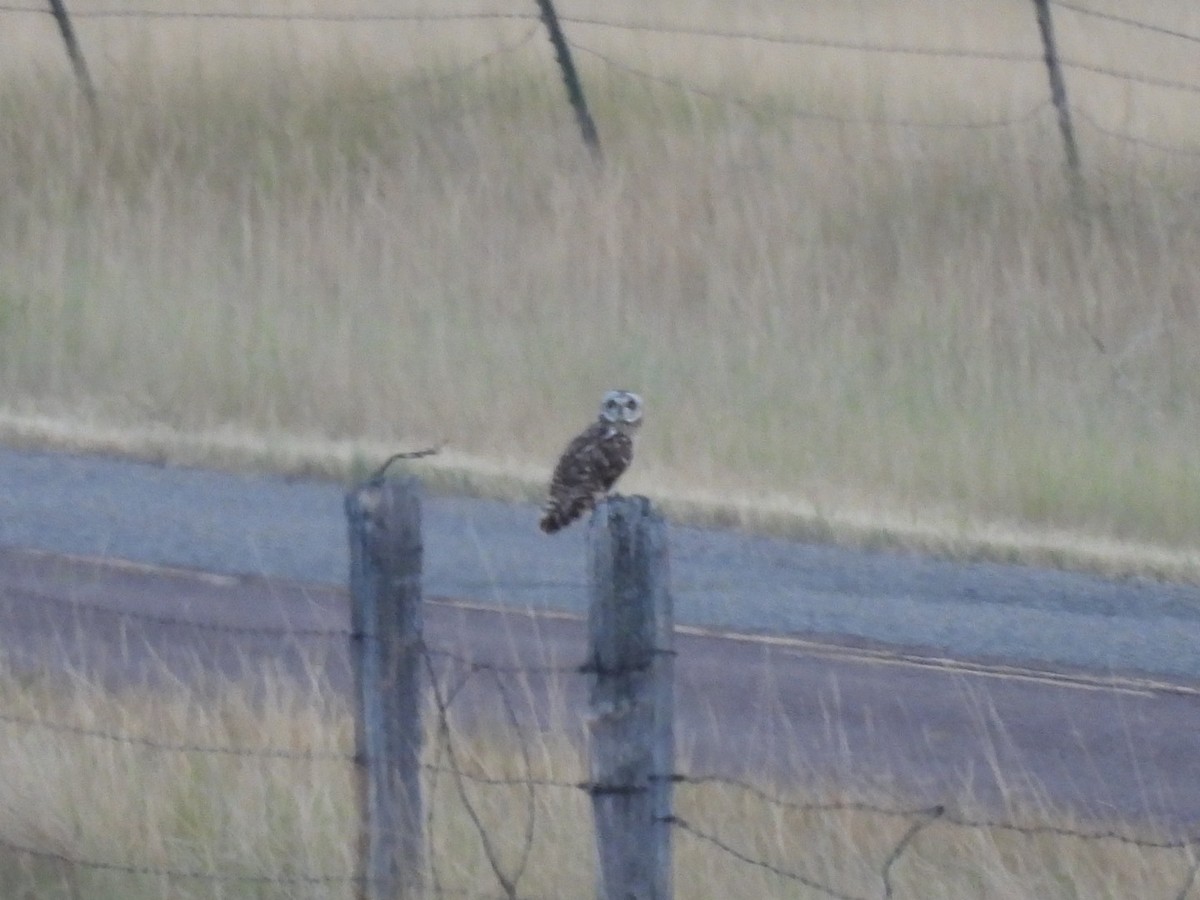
[(562, 53), (386, 630), (631, 714), (59, 9), (1058, 96)]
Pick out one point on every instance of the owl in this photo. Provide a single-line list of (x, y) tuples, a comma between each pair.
[(593, 461)]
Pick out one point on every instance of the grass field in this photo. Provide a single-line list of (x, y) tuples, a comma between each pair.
[(245, 826), (281, 234)]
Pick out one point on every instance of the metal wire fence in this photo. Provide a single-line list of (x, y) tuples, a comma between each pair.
[(615, 62), (449, 673)]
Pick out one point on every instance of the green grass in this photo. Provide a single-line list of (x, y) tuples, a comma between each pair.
[(854, 329)]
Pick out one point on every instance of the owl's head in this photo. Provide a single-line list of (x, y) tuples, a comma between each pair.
[(622, 409)]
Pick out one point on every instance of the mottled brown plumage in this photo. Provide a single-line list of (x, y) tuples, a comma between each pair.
[(593, 461)]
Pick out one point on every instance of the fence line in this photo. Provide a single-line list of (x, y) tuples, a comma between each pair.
[(508, 881), (805, 41), (649, 27), (444, 760), (1134, 77), (176, 747), (946, 814), (685, 826), (250, 16), (1137, 141), (654, 28), (1124, 20), (504, 668), (934, 815), (809, 115), (588, 128), (163, 872), (469, 67)]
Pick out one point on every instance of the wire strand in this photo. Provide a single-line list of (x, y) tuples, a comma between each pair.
[(170, 746), (805, 41), (162, 872), (252, 16), (809, 115), (1135, 23)]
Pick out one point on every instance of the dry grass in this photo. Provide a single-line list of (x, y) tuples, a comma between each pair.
[(89, 798), (870, 333)]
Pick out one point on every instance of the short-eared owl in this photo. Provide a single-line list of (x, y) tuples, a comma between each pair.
[(593, 462)]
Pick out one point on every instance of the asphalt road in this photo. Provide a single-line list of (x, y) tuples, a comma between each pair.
[(492, 552), (901, 728)]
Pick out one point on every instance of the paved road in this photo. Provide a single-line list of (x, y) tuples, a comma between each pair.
[(492, 552), (903, 726)]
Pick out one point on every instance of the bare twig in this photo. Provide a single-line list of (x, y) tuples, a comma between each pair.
[(507, 884), (902, 845), (408, 454)]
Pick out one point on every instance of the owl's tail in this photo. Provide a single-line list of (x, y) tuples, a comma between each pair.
[(551, 522), (558, 515)]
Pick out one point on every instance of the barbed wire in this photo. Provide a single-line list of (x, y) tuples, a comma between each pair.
[(1135, 23), (508, 881), (923, 816), (186, 874), (805, 41), (266, 752), (906, 839), (507, 781), (444, 698), (467, 68), (1135, 77), (1116, 837), (654, 28), (719, 97), (924, 819), (1131, 139), (684, 825), (806, 806), (946, 814), (400, 88), (476, 665), (703, 31), (252, 16), (306, 879), (645, 27)]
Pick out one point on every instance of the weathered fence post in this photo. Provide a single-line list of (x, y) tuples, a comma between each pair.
[(562, 53), (386, 621), (1058, 96), (631, 715), (59, 9)]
